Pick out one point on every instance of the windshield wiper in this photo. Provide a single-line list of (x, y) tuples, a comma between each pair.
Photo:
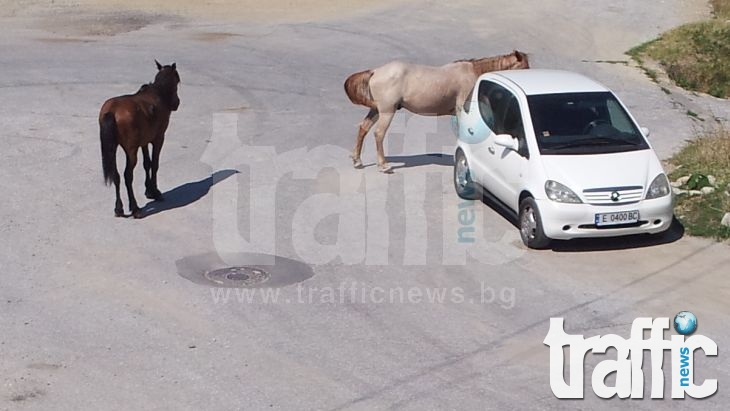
[(595, 141)]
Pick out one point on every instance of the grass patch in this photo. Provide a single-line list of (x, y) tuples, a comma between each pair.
[(694, 115), (721, 8), (696, 56), (638, 51), (707, 155)]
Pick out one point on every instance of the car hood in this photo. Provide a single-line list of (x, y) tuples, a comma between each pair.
[(581, 172)]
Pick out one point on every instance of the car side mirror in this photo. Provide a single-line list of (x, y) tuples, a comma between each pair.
[(506, 141), (645, 131)]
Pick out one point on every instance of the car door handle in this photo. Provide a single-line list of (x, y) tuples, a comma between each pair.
[(470, 131), (491, 149)]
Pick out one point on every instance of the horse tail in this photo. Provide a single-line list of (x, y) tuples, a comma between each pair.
[(357, 88), (109, 142)]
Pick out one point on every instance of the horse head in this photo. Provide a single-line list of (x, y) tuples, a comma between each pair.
[(515, 60), (166, 82), (512, 61)]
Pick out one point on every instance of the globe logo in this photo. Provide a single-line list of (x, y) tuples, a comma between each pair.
[(472, 132), (685, 323)]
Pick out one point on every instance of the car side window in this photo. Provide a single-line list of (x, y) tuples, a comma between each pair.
[(501, 112), (487, 98), (512, 125), (619, 120)]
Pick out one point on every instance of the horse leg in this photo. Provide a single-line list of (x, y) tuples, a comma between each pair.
[(128, 177), (365, 126), (381, 128), (147, 162), (118, 207), (156, 148)]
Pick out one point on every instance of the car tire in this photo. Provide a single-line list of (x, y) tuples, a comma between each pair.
[(465, 187), (530, 224)]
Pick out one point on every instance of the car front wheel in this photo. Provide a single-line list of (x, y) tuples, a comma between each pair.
[(465, 187), (531, 229)]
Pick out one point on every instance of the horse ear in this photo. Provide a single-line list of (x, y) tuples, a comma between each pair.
[(518, 55), (174, 66), (159, 66)]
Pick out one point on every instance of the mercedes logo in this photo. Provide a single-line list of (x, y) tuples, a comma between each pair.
[(615, 196)]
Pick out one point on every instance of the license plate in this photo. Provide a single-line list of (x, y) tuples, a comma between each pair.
[(622, 217)]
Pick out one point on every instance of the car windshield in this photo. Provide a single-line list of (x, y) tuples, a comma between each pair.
[(583, 123)]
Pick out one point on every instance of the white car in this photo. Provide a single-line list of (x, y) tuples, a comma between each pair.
[(563, 153)]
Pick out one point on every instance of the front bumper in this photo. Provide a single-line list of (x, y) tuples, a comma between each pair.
[(565, 221)]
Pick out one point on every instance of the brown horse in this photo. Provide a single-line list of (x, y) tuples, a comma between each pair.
[(135, 121), (425, 90)]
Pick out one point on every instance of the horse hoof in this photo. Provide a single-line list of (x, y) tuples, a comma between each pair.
[(118, 213), (356, 162), (387, 169), (137, 213), (154, 195)]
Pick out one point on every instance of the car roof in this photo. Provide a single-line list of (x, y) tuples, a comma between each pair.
[(541, 81)]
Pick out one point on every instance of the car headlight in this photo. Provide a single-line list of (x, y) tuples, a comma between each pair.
[(560, 193), (659, 187)]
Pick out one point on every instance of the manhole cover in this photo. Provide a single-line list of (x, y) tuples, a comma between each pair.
[(243, 270), (238, 276)]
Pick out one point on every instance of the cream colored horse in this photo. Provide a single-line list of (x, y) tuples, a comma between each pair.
[(425, 90)]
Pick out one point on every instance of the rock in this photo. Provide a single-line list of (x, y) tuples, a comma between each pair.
[(694, 192), (682, 180), (725, 220), (678, 191), (712, 180), (675, 184), (707, 190)]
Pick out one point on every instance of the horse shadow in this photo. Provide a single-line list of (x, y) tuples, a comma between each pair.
[(417, 160), (186, 194)]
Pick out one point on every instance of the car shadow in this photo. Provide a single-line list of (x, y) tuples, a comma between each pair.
[(185, 194), (500, 208), (674, 233)]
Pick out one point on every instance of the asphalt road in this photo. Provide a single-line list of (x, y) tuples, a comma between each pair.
[(100, 313)]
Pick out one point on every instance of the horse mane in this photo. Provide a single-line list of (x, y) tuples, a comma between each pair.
[(163, 87), (494, 63)]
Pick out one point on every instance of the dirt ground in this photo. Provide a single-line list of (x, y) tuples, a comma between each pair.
[(99, 313), (227, 10)]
